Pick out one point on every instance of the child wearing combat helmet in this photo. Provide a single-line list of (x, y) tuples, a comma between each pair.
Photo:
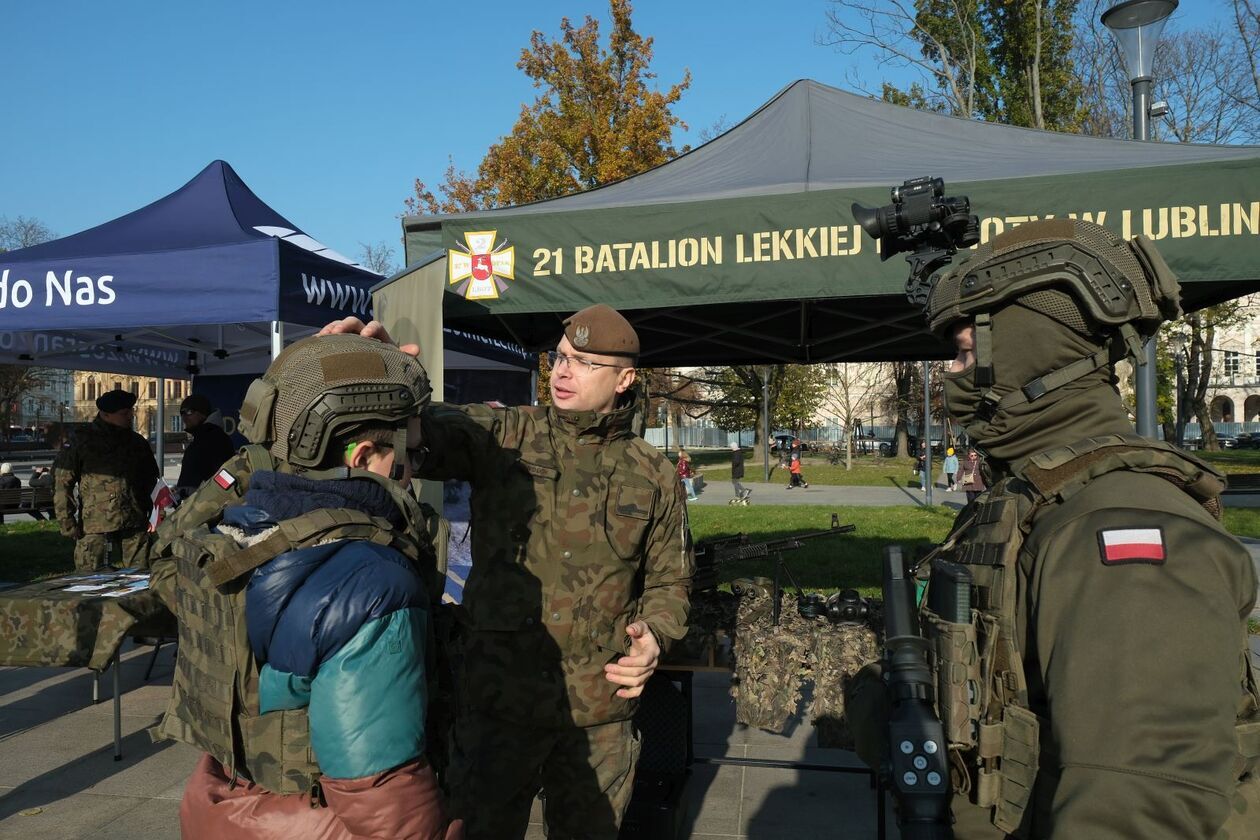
[(296, 575)]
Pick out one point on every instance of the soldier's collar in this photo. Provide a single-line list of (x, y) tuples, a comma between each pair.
[(616, 423)]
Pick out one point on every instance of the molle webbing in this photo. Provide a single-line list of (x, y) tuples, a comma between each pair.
[(322, 525), (1060, 473)]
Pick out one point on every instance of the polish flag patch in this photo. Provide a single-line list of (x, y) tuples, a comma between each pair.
[(224, 479), (1120, 546)]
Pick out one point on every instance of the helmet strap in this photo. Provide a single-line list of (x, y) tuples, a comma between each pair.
[(984, 350)]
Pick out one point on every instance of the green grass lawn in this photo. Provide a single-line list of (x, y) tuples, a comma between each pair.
[(33, 550), (1233, 460), (868, 470), (828, 563), (1242, 522)]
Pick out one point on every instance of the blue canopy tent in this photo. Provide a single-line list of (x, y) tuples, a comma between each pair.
[(218, 271), (208, 280)]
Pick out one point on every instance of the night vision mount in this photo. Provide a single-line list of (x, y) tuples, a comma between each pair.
[(922, 221)]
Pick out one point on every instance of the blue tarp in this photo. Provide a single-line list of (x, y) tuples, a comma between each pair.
[(209, 254)]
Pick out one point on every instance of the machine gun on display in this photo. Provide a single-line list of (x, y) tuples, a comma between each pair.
[(915, 768), (711, 554)]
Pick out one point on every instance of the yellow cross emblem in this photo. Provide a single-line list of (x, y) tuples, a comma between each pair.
[(481, 266)]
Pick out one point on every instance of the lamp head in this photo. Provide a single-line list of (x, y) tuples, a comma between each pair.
[(1137, 25)]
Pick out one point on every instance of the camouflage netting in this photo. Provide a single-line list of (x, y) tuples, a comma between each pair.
[(839, 653), (772, 664)]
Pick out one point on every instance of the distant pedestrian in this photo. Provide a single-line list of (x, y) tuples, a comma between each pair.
[(8, 481), (737, 472), (797, 479), (920, 470), (686, 475), (42, 477), (951, 468), (972, 477)]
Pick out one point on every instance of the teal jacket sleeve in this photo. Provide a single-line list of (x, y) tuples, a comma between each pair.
[(368, 701)]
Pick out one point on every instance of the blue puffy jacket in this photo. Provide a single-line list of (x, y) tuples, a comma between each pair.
[(341, 630)]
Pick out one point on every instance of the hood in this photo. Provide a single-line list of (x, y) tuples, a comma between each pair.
[(1028, 345)]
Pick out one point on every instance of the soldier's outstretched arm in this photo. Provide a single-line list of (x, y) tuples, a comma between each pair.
[(462, 440), (1136, 624)]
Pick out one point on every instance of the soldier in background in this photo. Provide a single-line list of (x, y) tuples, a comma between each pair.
[(1101, 687), (579, 582), (209, 447), (114, 471)]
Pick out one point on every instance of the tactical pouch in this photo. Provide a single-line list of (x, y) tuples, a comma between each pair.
[(957, 669), (279, 746), (1165, 290), (257, 410)]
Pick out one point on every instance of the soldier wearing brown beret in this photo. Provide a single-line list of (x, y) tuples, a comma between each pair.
[(579, 581)]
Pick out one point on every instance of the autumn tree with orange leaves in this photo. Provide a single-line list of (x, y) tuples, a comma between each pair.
[(597, 119)]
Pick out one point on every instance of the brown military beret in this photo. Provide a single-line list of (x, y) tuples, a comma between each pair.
[(116, 400), (603, 330)]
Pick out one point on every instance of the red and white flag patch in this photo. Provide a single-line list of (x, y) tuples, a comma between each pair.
[(1131, 545), (224, 479)]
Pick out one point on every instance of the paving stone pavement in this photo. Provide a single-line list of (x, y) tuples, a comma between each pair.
[(58, 779)]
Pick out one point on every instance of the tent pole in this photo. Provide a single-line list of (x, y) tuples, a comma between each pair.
[(159, 438), (533, 386), (926, 442), (277, 338)]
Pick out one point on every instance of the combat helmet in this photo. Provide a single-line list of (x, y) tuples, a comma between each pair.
[(322, 386), (1075, 272)]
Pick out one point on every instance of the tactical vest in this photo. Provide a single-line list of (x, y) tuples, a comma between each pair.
[(995, 739), (214, 704)]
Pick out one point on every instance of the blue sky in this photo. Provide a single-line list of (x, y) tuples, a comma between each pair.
[(330, 110)]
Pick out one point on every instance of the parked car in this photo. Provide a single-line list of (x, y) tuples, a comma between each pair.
[(1227, 441), (783, 443), (1247, 440), (938, 448)]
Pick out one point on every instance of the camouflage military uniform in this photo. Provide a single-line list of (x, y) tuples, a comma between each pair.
[(115, 471), (577, 531)]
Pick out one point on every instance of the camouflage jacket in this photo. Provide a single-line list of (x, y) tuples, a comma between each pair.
[(115, 472), (578, 528)]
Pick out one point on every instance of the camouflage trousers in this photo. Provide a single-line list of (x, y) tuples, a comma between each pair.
[(586, 775), (125, 549)]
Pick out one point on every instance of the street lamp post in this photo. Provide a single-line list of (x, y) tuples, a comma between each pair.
[(1177, 344), (1136, 25)]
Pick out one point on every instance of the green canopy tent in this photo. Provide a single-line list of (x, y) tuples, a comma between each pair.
[(745, 249)]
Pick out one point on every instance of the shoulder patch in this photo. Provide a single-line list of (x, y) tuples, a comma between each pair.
[(1123, 546), (224, 479)]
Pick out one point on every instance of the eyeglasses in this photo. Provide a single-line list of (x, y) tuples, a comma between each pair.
[(579, 366)]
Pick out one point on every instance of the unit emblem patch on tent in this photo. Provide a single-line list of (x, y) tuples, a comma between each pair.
[(1120, 546), (482, 265), (224, 479)]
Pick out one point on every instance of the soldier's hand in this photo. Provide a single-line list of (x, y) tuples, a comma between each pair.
[(372, 329), (73, 531), (633, 671)]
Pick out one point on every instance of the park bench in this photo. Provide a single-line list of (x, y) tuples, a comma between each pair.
[(37, 501), (1243, 483)]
